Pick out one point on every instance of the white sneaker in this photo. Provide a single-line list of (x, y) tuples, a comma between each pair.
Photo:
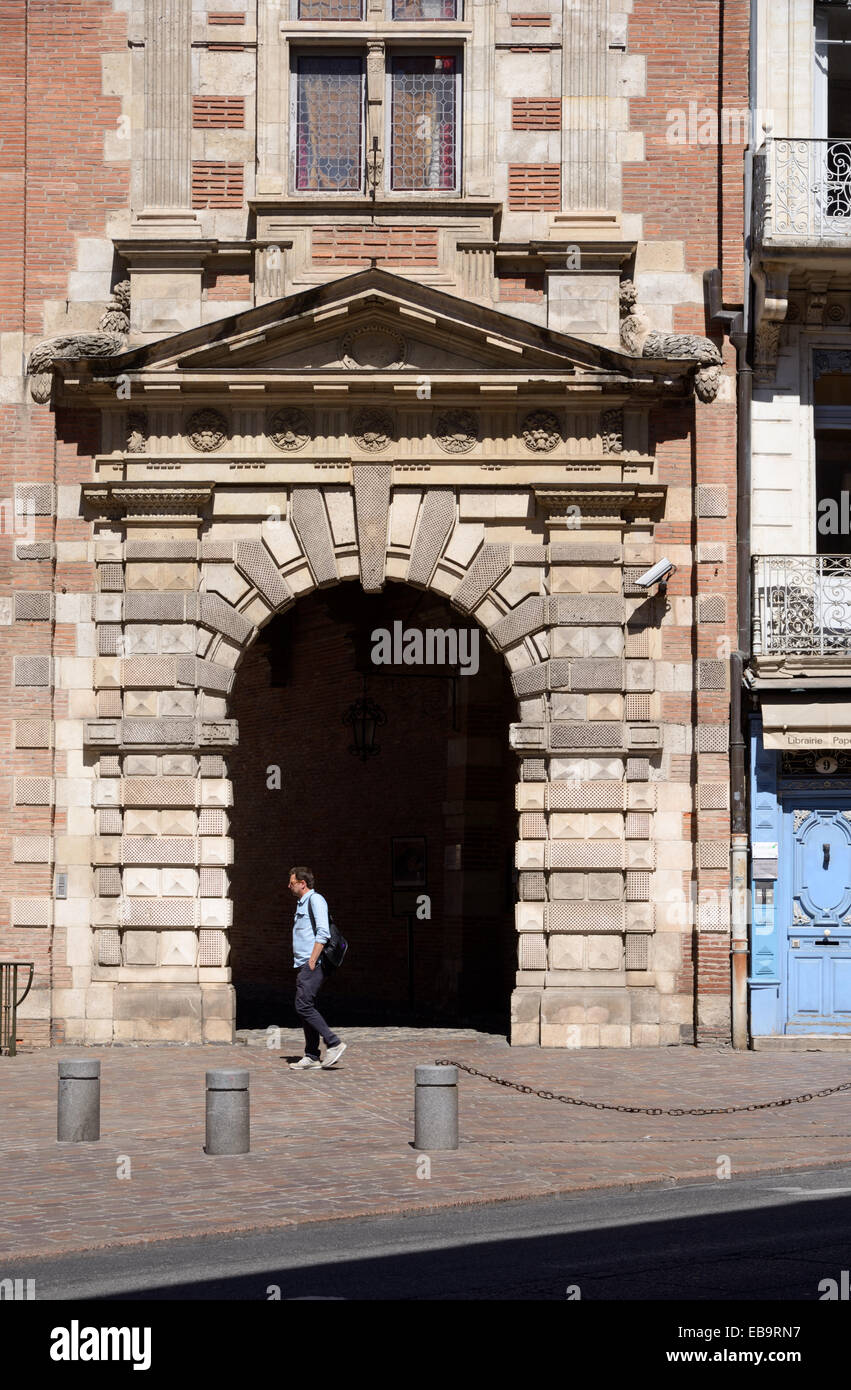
[(306, 1064), (333, 1055)]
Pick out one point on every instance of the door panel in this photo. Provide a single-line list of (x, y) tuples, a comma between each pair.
[(818, 956)]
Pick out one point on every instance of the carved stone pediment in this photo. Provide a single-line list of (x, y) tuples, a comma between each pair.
[(374, 322)]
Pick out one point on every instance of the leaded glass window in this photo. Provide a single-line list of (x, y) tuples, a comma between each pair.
[(423, 122), (330, 9), (329, 107), (425, 9)]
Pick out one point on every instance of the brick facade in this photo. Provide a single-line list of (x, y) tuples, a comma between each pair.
[(456, 426)]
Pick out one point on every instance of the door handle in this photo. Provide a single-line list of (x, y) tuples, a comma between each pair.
[(826, 852)]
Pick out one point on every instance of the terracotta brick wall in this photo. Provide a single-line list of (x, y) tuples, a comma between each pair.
[(55, 116), (390, 246)]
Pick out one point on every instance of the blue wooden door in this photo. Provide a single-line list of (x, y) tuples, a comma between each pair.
[(818, 973)]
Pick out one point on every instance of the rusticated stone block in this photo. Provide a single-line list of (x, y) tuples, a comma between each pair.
[(489, 566), (585, 796), (637, 707), (522, 736), (529, 554), (33, 607), (713, 738), (35, 550), (533, 770), (637, 642), (108, 946), (636, 955), (532, 887), (637, 887), (586, 735), (532, 952), (108, 881), (637, 769), (258, 566), (159, 912), (585, 854), (221, 616), (585, 917), (569, 610), (33, 499), (30, 912), (211, 950), (33, 791), (109, 821), (639, 676), (605, 887), (109, 639), (213, 883), (712, 608), (148, 672), (32, 849), (596, 675), (637, 826), (528, 617), (712, 796), (437, 518), (33, 733), (531, 680), (371, 485), (141, 607), (711, 675), (533, 826), (165, 549), (110, 578), (213, 551), (157, 731), (567, 887), (140, 948), (586, 553), (310, 522), (159, 791), (33, 671), (212, 765), (711, 500), (713, 854)]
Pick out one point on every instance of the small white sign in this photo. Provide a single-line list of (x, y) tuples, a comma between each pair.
[(764, 849)]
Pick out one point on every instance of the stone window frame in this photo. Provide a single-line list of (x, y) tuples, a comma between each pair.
[(394, 38)]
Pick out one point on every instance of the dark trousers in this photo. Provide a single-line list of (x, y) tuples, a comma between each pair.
[(307, 985)]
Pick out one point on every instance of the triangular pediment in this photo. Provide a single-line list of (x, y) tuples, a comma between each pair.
[(376, 322)]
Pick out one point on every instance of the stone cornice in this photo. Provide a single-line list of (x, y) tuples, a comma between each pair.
[(135, 501), (617, 504)]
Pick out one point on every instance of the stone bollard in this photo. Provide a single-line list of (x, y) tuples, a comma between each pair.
[(78, 1107), (228, 1113), (436, 1107)]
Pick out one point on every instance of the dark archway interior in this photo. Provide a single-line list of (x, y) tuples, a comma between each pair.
[(424, 826)]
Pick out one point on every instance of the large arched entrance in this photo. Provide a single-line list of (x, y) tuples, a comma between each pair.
[(413, 844)]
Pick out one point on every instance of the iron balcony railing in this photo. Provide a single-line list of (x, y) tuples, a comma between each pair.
[(802, 189), (802, 605)]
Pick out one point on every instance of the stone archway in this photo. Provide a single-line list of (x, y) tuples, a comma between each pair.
[(440, 784), (162, 909)]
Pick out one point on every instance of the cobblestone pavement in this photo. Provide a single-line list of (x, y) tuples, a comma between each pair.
[(337, 1143)]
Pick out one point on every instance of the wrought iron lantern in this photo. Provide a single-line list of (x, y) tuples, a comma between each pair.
[(363, 717)]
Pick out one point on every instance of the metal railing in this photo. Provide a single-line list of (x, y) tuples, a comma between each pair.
[(802, 605), (802, 188), (9, 1002)]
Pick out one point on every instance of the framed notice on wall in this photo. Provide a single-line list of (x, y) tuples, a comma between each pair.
[(409, 862)]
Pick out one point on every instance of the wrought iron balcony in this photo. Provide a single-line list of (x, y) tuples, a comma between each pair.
[(802, 191), (802, 605)]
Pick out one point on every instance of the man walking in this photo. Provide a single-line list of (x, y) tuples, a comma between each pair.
[(310, 933)]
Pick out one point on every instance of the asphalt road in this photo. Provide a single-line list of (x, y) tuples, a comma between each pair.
[(771, 1237)]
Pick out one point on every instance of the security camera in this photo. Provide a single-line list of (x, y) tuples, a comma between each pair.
[(657, 574)]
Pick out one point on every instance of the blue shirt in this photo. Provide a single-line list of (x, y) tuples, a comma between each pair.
[(303, 937)]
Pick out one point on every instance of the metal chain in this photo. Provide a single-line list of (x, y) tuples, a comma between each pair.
[(642, 1109)]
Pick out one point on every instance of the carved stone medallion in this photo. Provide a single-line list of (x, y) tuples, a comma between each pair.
[(207, 430), (457, 431), (290, 429), (611, 431), (137, 432), (540, 431), (372, 430), (373, 346)]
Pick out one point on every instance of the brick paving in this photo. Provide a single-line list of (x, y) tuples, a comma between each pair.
[(338, 1143)]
